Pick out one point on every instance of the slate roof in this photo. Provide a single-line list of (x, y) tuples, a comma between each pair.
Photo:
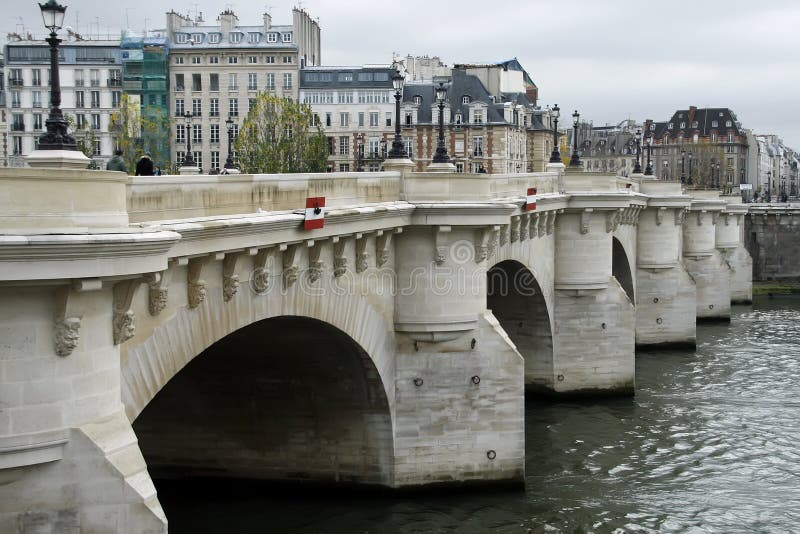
[(704, 118), (308, 80)]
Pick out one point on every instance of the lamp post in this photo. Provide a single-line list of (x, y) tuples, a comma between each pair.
[(637, 166), (575, 160), (690, 181), (441, 150), (648, 171), (188, 160), (56, 137), (683, 166), (398, 150), (229, 160), (555, 157), (717, 181), (769, 186), (666, 170), (360, 153)]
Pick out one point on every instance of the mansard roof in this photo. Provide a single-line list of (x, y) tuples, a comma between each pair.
[(461, 85), (373, 77), (706, 118)]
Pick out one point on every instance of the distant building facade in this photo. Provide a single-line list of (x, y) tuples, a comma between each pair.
[(90, 76), (3, 115), (612, 149), (217, 70)]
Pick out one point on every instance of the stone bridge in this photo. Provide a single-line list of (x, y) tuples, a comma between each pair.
[(190, 326)]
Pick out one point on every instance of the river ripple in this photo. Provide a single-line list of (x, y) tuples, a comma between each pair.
[(709, 444)]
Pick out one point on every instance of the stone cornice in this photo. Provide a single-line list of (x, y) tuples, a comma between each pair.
[(462, 213), (604, 201), (703, 204)]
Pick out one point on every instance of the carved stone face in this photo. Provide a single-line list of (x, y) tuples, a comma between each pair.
[(67, 334), (259, 280)]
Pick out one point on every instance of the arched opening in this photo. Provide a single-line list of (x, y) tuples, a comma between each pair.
[(285, 399), (621, 269), (516, 300)]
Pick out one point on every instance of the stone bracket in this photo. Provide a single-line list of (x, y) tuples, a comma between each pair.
[(612, 220), (504, 237), (586, 220), (290, 270), (362, 256), (714, 217), (524, 226), (339, 259), (315, 265), (157, 291), (485, 242), (68, 315), (680, 216), (196, 287), (259, 279), (535, 224), (440, 241), (515, 222), (660, 215), (383, 245), (123, 319), (230, 280), (700, 217)]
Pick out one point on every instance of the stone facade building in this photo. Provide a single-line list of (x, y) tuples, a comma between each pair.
[(3, 115), (705, 137), (216, 70), (90, 76), (355, 106), (612, 149)]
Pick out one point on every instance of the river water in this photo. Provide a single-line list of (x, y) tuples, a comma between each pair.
[(710, 443)]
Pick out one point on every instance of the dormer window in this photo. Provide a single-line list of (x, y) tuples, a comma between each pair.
[(728, 124), (670, 126), (653, 127), (683, 125), (458, 117), (287, 37), (197, 38), (418, 100), (465, 99), (694, 124), (181, 38), (272, 37), (213, 38), (235, 37), (253, 37), (714, 124)]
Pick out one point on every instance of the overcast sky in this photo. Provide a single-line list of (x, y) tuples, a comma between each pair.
[(610, 60)]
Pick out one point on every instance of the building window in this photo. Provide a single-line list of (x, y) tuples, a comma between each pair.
[(180, 133), (18, 122), (345, 97), (233, 84), (213, 38), (409, 118), (232, 60), (272, 37), (95, 99), (195, 60), (270, 59), (670, 126), (179, 82), (344, 167), (37, 77), (388, 118), (728, 124), (179, 107), (287, 59), (252, 59), (214, 107), (270, 82), (214, 133), (214, 60), (373, 119), (233, 107), (198, 159), (37, 99), (78, 78), (78, 99), (181, 38), (80, 121), (17, 143), (477, 147), (694, 124), (287, 80), (714, 124), (197, 107), (235, 37), (344, 119), (730, 137), (418, 100), (683, 125), (96, 148), (179, 60), (252, 81), (287, 37), (179, 155), (197, 133), (116, 98), (458, 118), (344, 145), (409, 147), (95, 121), (253, 37), (465, 99), (197, 84), (37, 121), (477, 116), (213, 82)]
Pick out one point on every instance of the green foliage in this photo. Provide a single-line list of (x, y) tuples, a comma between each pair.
[(84, 139), (132, 129), (278, 137)]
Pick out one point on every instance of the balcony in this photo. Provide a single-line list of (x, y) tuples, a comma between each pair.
[(37, 105), (15, 105), (114, 82), (233, 88), (15, 82), (78, 83), (95, 83), (17, 127), (252, 88)]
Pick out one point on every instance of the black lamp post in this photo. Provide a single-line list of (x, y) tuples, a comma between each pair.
[(683, 166), (690, 181), (648, 171), (188, 160), (717, 184), (360, 153), (769, 186), (229, 160), (555, 157), (398, 150), (56, 137), (637, 166), (575, 160), (441, 150), (666, 170)]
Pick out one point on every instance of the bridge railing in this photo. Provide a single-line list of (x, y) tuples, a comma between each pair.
[(158, 198)]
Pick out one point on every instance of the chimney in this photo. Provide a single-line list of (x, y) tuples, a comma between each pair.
[(267, 21), (228, 21), (692, 111)]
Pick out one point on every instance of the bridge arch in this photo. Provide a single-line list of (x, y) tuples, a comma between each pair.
[(515, 297), (621, 269)]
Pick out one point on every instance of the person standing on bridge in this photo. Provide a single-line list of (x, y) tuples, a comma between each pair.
[(144, 167), (116, 163)]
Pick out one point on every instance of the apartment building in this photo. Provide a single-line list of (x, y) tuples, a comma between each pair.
[(217, 70), (90, 76), (355, 106), (3, 115)]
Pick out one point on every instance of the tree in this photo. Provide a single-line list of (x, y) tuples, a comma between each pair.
[(135, 132), (84, 139), (279, 135)]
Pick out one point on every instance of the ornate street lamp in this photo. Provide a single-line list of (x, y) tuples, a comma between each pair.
[(683, 166), (229, 160), (441, 150), (555, 157), (188, 160), (637, 166), (360, 153), (648, 171), (398, 150), (690, 181), (56, 137), (575, 160)]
